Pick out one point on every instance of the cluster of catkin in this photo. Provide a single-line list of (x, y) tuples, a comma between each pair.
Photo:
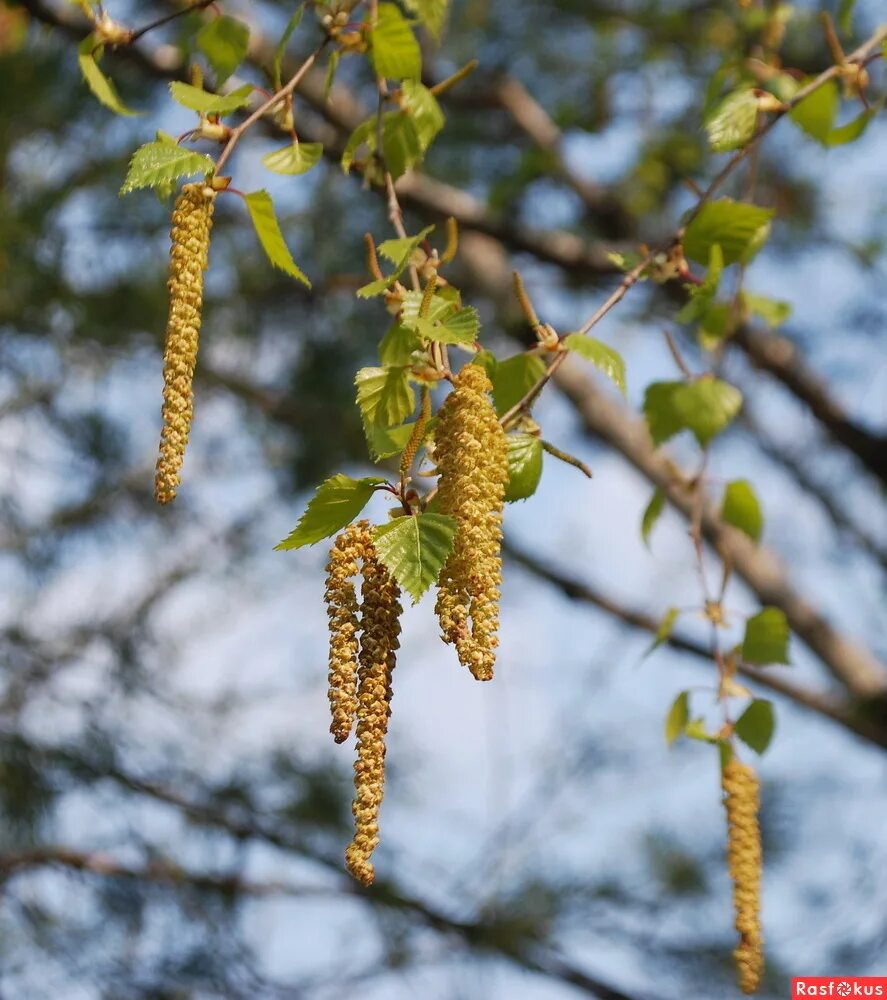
[(363, 645), (189, 256), (742, 802), (471, 452)]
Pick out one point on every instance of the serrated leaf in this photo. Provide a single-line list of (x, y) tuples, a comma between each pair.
[(384, 395), (652, 514), (663, 632), (261, 211), (280, 49), (157, 164), (337, 502), (398, 345), (224, 41), (733, 122), (766, 638), (432, 13), (401, 145), (460, 326), (513, 378), (383, 442), (394, 51), (423, 110), (206, 103), (399, 251), (756, 725), (297, 158), (88, 55), (852, 130), (702, 296), (413, 549), (816, 114), (524, 466), (678, 717), (741, 509), (734, 226), (704, 407), (601, 355), (773, 312)]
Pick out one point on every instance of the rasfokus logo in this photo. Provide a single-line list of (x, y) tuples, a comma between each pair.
[(839, 986)]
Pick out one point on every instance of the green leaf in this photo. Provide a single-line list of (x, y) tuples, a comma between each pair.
[(756, 725), (524, 466), (158, 164), (400, 252), (383, 442), (224, 42), (705, 406), (702, 296), (401, 143), (766, 638), (696, 730), (460, 326), (398, 346), (88, 54), (330, 77), (384, 395), (845, 15), (852, 130), (666, 627), (733, 122), (735, 226), (261, 211), (773, 312), (652, 513), (337, 502), (816, 114), (279, 51), (678, 717), (210, 104), (423, 110), (741, 509), (413, 549), (601, 355), (513, 378), (394, 50), (432, 13), (297, 158)]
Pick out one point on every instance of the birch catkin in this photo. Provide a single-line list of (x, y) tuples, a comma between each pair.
[(741, 800), (189, 254), (472, 457), (380, 628)]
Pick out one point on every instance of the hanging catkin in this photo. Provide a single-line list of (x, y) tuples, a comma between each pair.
[(189, 254), (741, 799), (342, 607), (380, 628), (471, 452)]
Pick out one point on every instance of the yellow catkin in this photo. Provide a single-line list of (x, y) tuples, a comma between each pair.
[(471, 452), (380, 628), (189, 255), (340, 596), (742, 802)]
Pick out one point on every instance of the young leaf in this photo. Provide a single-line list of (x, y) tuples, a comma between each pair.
[(291, 26), (766, 638), (297, 158), (733, 122), (364, 134), (816, 114), (384, 395), (432, 13), (678, 717), (383, 442), (400, 252), (330, 77), (394, 50), (398, 346), (513, 378), (666, 627), (737, 227), (601, 355), (207, 103), (423, 110), (652, 513), (845, 15), (224, 42), (158, 164), (705, 406), (460, 326), (337, 502), (702, 296), (741, 509), (414, 549), (524, 466), (852, 130), (88, 54), (261, 211), (401, 143), (773, 312), (756, 725)]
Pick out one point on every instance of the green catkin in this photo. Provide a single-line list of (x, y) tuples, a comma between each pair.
[(380, 628), (340, 597), (744, 857), (471, 452), (189, 255)]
